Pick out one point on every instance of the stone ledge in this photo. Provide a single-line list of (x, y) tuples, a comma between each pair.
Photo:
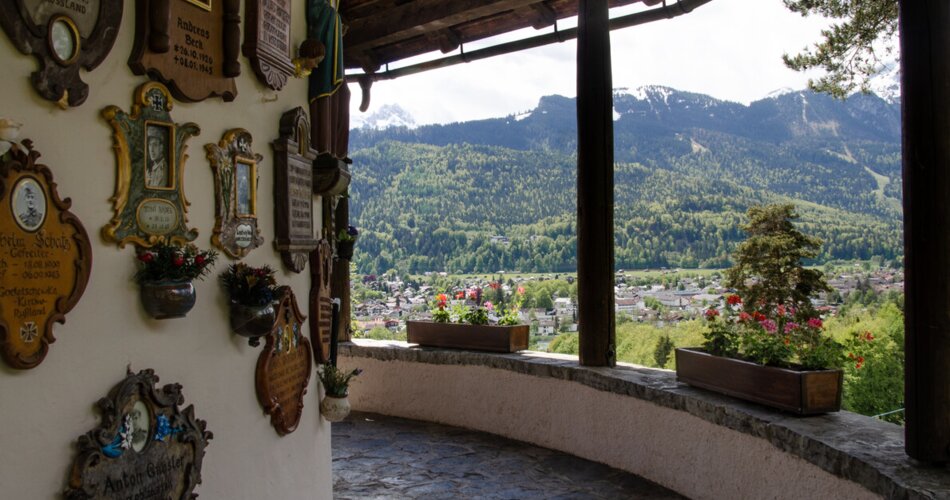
[(861, 449)]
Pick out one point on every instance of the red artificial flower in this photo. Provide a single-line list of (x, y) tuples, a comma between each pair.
[(733, 300), (146, 257), (814, 322), (178, 261), (711, 314), (199, 260)]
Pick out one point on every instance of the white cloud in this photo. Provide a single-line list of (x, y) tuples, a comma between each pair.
[(729, 49)]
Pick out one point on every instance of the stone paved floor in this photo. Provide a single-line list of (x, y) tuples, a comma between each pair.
[(375, 456)]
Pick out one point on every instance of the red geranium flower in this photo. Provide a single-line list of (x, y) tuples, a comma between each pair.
[(733, 300), (460, 295), (744, 316), (711, 313), (756, 315)]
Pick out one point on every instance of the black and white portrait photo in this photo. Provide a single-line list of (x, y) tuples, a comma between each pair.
[(243, 193), (29, 204), (158, 168)]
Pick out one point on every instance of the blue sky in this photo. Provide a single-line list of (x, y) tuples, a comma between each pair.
[(729, 49)]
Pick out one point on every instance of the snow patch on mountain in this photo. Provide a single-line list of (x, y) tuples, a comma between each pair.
[(388, 115)]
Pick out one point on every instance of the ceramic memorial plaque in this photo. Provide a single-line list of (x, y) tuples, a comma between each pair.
[(321, 304), (293, 187), (189, 45), (283, 368), (267, 40), (144, 447), (63, 36), (235, 188), (149, 199), (45, 258)]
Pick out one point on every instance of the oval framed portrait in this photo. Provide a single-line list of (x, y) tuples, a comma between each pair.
[(28, 204), (63, 39)]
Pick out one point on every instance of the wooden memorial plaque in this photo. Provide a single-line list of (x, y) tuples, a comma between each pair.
[(321, 304), (189, 45), (235, 193), (283, 369), (45, 258), (63, 36), (149, 199), (267, 40), (145, 446), (293, 186)]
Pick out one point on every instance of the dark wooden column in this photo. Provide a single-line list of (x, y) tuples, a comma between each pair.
[(595, 187), (340, 283), (925, 89)]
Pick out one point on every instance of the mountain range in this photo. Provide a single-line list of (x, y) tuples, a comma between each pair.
[(499, 194)]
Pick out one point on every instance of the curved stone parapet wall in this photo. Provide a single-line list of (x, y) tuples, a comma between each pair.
[(642, 421)]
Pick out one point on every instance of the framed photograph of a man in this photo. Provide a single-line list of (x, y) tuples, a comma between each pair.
[(244, 189), (159, 157), (29, 204)]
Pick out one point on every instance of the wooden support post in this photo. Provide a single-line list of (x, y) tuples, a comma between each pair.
[(340, 283), (595, 187), (925, 89)]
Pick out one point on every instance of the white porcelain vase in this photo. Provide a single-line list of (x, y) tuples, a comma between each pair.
[(334, 409)]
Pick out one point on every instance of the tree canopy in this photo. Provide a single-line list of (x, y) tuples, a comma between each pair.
[(851, 50)]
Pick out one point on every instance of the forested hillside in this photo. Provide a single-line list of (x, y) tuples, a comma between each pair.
[(688, 166)]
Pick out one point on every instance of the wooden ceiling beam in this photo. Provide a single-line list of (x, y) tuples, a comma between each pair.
[(420, 18), (544, 15)]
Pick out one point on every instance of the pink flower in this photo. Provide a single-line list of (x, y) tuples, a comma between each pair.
[(744, 316), (781, 310), (769, 325), (489, 305), (520, 290), (790, 326), (814, 322)]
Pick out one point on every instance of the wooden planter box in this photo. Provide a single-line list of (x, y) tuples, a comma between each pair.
[(474, 337), (805, 392)]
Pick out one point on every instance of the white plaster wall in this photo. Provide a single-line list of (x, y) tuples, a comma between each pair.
[(675, 449), (44, 410)]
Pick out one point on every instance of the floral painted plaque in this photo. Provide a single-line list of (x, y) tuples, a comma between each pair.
[(144, 447), (63, 36), (321, 304), (283, 369), (45, 258), (149, 199), (235, 193), (189, 45)]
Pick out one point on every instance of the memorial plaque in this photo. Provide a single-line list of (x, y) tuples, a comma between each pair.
[(63, 36), (267, 40), (283, 369), (149, 200), (45, 258), (144, 447), (189, 45), (321, 304), (293, 187), (235, 188)]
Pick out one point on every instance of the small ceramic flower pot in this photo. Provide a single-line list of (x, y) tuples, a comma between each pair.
[(334, 409), (252, 322), (164, 300)]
